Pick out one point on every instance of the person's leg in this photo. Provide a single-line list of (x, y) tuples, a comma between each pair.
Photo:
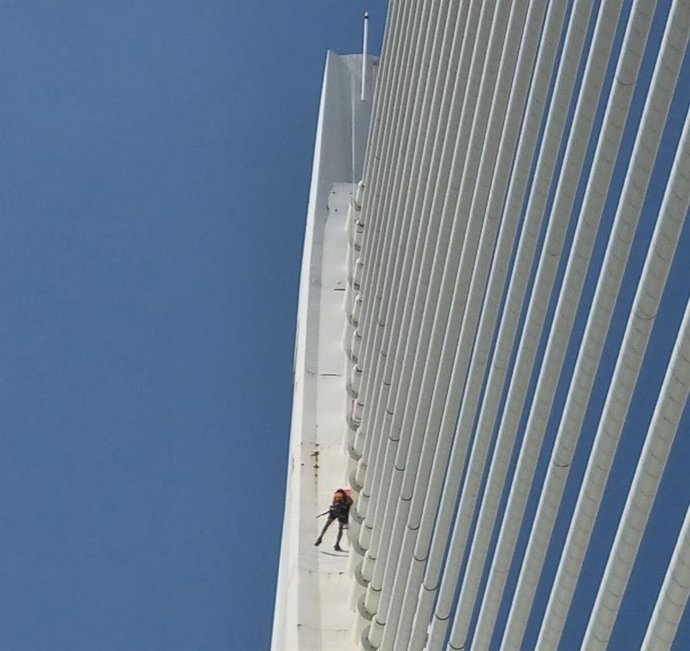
[(340, 535), (323, 531)]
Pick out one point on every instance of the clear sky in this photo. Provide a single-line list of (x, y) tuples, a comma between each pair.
[(156, 159)]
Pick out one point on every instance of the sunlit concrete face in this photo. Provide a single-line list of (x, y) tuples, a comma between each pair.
[(312, 601), (513, 350)]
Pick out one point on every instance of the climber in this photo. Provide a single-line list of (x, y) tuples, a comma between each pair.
[(339, 509)]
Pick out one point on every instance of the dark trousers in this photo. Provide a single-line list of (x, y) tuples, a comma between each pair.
[(341, 525)]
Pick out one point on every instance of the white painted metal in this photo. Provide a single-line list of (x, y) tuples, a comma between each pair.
[(432, 255), (443, 134), (569, 297), (501, 357), (536, 313), (436, 201), (424, 504), (431, 341), (384, 387), (673, 596), (365, 52), (389, 372), (376, 277), (662, 431), (436, 359), (637, 333), (620, 241), (574, 41)]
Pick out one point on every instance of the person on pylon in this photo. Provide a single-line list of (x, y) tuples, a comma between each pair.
[(338, 510)]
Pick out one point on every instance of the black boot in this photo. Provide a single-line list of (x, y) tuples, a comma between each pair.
[(338, 548), (318, 542)]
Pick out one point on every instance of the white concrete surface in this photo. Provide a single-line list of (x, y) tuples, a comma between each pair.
[(312, 602)]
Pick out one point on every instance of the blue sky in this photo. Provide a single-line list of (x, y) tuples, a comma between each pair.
[(156, 159)]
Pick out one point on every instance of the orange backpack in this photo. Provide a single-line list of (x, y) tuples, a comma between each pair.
[(344, 496)]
